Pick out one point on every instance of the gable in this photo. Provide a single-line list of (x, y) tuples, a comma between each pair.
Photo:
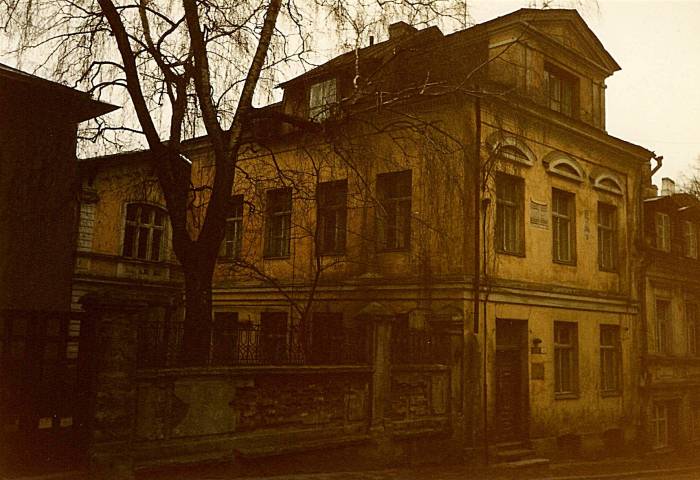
[(571, 32)]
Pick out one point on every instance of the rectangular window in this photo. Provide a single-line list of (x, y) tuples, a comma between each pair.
[(663, 326), (663, 231), (565, 358), (561, 90), (273, 337), (144, 232), (690, 239), (394, 192), (607, 237), (692, 317), (509, 214), (278, 222), (332, 216), (233, 238), (659, 424), (563, 227), (610, 359), (322, 100)]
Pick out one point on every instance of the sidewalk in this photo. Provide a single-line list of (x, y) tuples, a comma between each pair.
[(668, 467)]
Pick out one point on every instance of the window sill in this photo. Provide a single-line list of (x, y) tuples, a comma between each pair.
[(276, 257), (566, 396), (607, 270), (610, 393), (394, 250), (511, 254), (142, 261), (566, 264)]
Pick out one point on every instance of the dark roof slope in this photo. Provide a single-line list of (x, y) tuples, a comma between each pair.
[(82, 106)]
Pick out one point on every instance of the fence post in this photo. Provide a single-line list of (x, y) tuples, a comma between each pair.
[(115, 315)]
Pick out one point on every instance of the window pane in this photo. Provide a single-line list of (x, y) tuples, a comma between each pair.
[(155, 244), (142, 243)]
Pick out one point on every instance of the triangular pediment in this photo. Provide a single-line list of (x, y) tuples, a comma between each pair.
[(573, 34), (558, 27)]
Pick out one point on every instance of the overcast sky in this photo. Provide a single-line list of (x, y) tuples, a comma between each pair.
[(654, 101)]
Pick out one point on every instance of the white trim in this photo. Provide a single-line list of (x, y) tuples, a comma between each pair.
[(497, 140), (598, 183), (553, 159)]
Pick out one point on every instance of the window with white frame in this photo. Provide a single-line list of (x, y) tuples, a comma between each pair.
[(322, 99), (144, 232), (610, 359), (565, 358), (663, 231), (563, 227), (233, 237), (663, 326), (607, 233), (509, 214), (690, 239)]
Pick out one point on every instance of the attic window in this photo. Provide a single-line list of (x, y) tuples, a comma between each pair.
[(561, 89), (608, 183), (322, 99)]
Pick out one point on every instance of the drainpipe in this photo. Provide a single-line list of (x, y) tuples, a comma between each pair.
[(476, 169), (484, 210)]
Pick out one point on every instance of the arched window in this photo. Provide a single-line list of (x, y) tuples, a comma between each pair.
[(608, 183), (561, 164), (144, 232), (510, 148)]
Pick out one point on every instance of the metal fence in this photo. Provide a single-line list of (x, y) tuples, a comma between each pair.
[(419, 347), (160, 344)]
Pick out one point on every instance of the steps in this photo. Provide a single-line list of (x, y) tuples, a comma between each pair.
[(516, 455)]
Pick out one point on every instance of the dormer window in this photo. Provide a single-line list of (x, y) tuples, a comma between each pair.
[(561, 89), (322, 99)]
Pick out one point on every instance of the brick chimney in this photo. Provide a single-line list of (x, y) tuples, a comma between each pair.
[(401, 30), (668, 187)]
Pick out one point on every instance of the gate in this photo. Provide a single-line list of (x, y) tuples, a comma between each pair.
[(44, 389)]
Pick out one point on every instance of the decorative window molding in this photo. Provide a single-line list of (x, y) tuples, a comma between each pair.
[(558, 163), (511, 148), (608, 183)]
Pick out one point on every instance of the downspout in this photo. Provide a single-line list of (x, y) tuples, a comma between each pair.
[(644, 321), (484, 211), (476, 170)]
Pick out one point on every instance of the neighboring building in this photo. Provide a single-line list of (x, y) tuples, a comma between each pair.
[(344, 297), (38, 214), (670, 335)]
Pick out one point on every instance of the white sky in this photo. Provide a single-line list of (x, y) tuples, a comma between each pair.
[(654, 101)]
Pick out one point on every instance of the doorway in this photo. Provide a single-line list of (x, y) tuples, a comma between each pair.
[(511, 380)]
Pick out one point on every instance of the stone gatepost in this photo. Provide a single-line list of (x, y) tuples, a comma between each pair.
[(381, 376), (115, 316)]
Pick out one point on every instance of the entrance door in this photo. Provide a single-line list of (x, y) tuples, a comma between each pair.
[(511, 379)]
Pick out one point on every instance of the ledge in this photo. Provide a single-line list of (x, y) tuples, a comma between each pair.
[(437, 367), (152, 373)]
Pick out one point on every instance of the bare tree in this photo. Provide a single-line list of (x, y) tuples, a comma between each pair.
[(691, 179), (189, 68)]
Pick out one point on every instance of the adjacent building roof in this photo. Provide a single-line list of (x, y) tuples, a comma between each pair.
[(82, 106)]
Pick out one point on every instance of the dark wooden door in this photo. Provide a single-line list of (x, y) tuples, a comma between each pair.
[(509, 415)]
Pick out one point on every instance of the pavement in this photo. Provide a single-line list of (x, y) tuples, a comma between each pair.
[(654, 467)]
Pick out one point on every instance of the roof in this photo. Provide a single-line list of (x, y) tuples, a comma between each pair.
[(426, 38), (83, 107)]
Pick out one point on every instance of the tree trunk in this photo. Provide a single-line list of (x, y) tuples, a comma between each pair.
[(198, 318)]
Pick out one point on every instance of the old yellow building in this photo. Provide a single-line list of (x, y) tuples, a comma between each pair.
[(346, 313)]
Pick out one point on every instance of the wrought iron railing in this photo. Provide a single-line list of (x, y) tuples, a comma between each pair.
[(411, 346), (160, 344)]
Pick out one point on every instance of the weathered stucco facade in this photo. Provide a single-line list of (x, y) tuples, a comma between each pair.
[(440, 259)]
